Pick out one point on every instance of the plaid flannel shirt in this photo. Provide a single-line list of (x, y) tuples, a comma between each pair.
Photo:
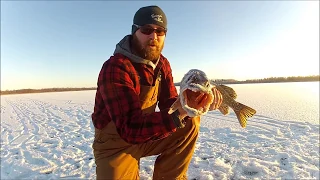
[(117, 99)]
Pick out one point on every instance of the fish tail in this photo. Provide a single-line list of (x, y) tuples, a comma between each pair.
[(243, 113)]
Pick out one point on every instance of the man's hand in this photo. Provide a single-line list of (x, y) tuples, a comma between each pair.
[(178, 113), (217, 99), (182, 113), (177, 106)]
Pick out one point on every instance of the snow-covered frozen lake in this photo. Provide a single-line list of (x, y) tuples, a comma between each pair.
[(49, 136)]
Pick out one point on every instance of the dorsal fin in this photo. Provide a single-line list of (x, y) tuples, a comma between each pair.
[(228, 89)]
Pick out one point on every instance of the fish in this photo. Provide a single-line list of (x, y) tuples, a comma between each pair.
[(196, 97)]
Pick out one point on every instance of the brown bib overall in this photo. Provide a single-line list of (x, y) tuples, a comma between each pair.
[(116, 159)]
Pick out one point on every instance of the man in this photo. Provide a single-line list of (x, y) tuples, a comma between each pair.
[(130, 85)]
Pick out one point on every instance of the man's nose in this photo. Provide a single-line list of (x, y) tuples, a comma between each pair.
[(153, 36)]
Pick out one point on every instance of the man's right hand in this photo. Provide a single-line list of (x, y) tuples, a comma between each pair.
[(182, 112), (176, 106)]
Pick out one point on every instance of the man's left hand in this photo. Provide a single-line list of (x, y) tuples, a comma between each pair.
[(217, 99)]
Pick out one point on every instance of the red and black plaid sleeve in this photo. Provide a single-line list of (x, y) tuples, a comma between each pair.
[(168, 91), (117, 100)]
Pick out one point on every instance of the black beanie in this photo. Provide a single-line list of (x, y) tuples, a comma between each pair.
[(149, 15)]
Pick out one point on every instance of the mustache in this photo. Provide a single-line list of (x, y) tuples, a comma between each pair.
[(152, 43)]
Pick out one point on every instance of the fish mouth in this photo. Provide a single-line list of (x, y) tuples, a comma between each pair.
[(196, 100), (198, 97)]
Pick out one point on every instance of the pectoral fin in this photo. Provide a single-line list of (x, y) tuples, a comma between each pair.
[(174, 106), (224, 109)]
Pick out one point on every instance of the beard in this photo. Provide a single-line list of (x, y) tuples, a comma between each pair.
[(145, 51)]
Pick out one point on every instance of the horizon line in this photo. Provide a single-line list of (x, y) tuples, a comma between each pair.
[(218, 80)]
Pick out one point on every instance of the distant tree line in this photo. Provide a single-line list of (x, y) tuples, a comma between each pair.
[(219, 81), (24, 91), (267, 80), (270, 80)]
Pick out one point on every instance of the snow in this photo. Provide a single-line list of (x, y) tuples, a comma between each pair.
[(49, 136)]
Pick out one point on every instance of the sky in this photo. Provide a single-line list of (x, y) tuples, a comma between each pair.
[(46, 44)]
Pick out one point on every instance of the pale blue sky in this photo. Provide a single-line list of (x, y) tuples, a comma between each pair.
[(64, 43)]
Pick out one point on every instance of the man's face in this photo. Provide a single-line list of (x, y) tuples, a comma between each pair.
[(148, 41)]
